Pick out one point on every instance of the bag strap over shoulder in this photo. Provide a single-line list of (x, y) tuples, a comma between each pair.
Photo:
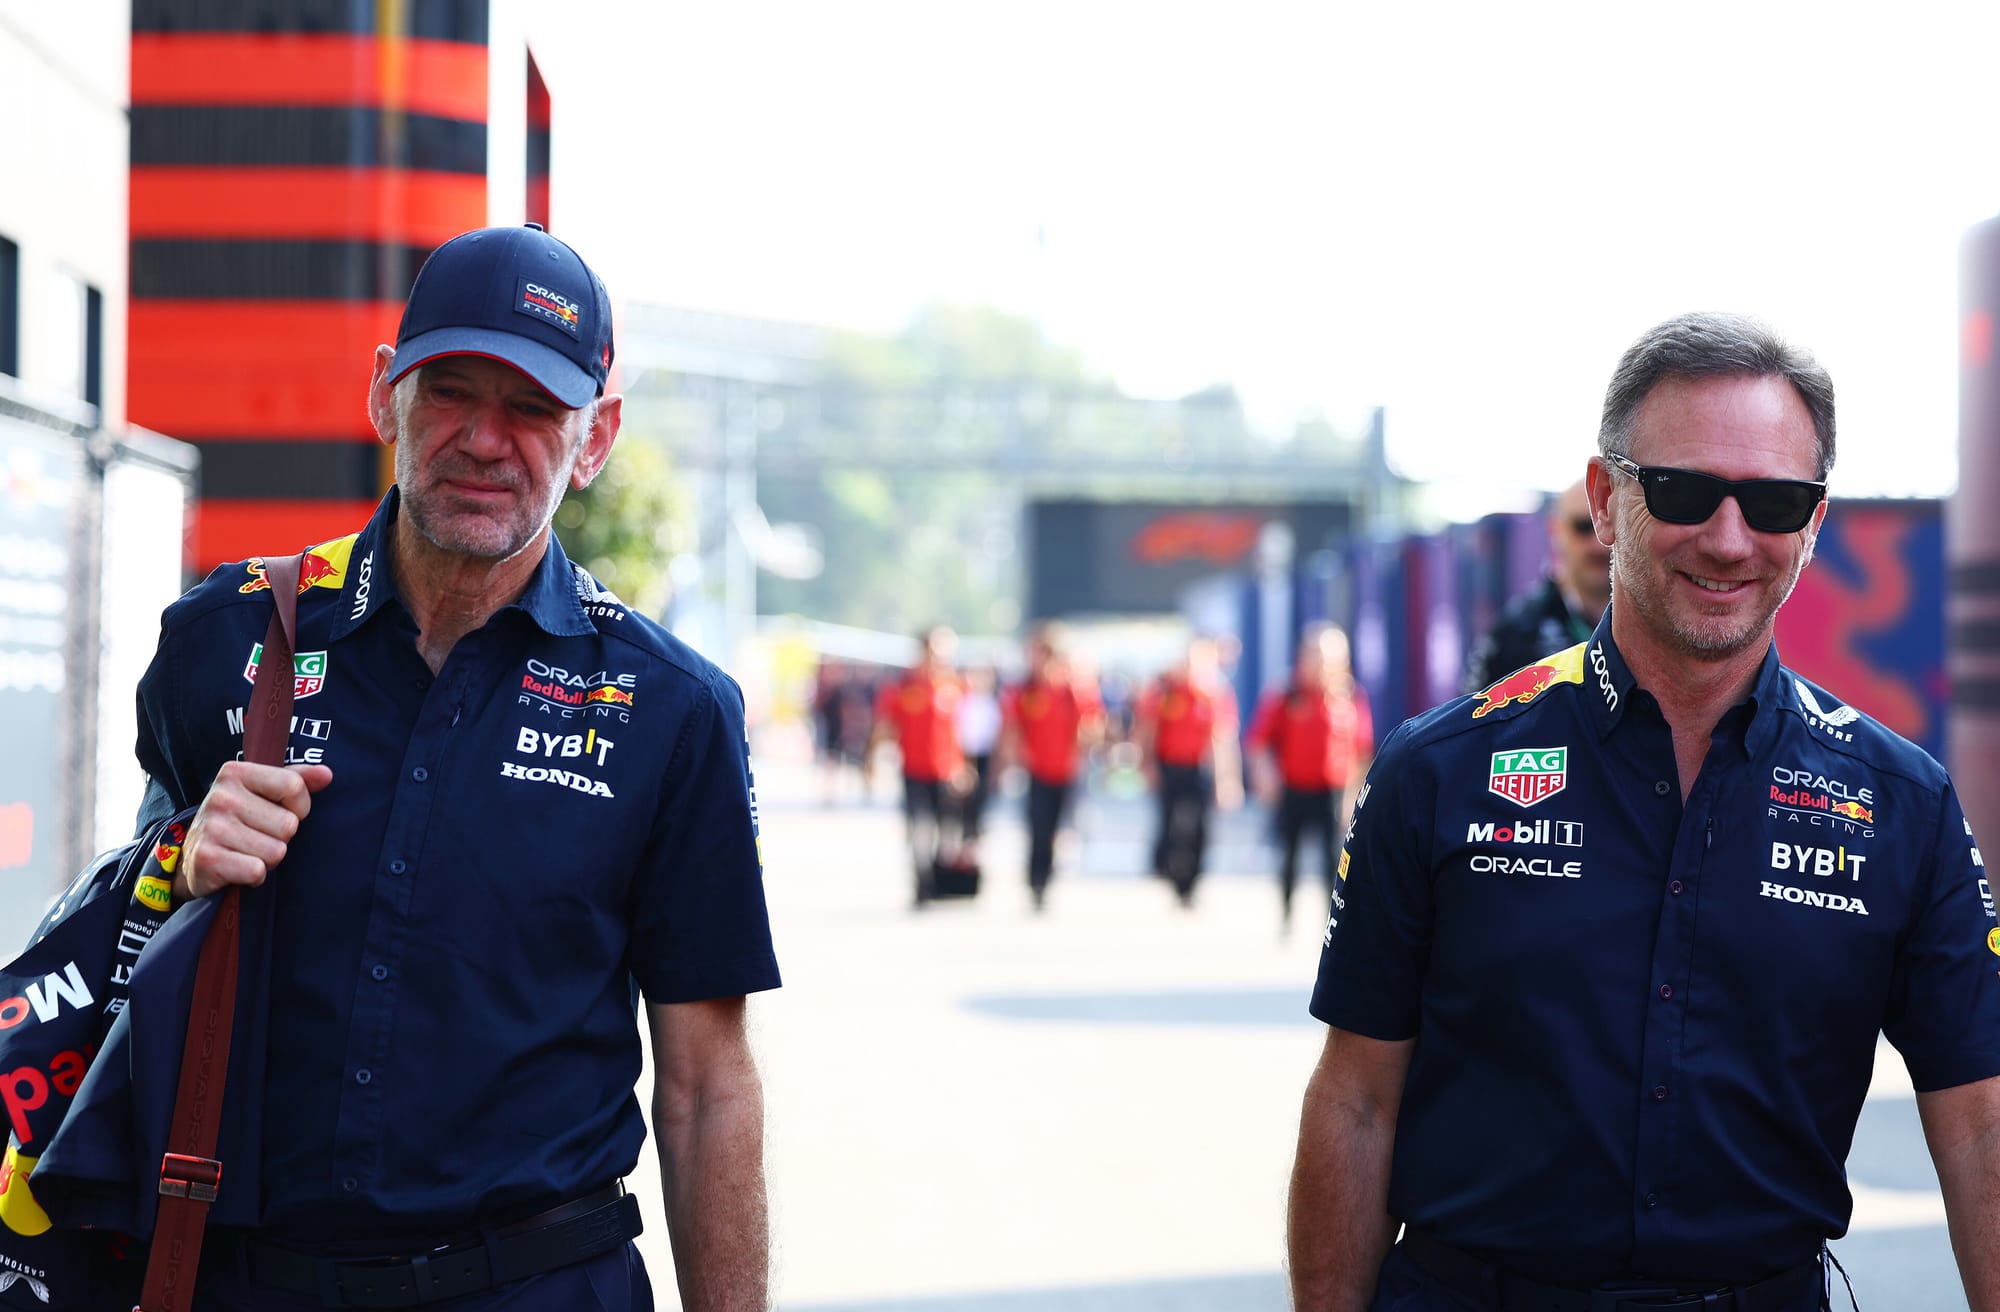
[(267, 723), (190, 1176)]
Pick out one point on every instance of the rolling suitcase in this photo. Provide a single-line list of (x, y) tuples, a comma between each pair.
[(955, 876)]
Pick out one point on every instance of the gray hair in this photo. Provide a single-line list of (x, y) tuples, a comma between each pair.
[(1705, 345)]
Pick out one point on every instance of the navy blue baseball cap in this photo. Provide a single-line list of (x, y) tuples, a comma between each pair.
[(516, 295)]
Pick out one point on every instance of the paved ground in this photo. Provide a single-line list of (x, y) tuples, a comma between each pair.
[(976, 1109)]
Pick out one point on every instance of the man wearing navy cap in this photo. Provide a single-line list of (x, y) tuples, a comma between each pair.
[(1612, 940), (514, 806)]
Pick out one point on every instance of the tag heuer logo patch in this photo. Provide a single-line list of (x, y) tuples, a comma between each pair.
[(308, 670), (1529, 775)]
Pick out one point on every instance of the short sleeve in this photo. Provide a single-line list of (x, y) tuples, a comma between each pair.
[(1944, 999), (1378, 933), (700, 927)]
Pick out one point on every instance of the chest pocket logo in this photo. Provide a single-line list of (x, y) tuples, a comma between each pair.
[(585, 749)]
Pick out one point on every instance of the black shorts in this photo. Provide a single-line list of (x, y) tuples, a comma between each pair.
[(923, 797)]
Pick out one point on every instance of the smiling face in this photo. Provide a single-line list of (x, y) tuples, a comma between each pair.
[(483, 453), (1706, 591)]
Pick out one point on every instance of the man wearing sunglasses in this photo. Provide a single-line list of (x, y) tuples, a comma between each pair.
[(1614, 939), (1562, 610)]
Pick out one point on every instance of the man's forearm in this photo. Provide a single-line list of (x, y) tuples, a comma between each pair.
[(1962, 1127), (712, 1173), (1338, 1225), (1969, 1177)]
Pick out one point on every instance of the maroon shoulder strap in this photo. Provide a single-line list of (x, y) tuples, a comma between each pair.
[(189, 1174)]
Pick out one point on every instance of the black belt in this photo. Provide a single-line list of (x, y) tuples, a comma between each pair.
[(1484, 1281), (562, 1236)]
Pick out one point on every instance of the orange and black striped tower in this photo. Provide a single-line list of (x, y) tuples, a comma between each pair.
[(293, 162)]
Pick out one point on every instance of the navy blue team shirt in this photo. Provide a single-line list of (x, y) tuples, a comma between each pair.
[(509, 853), (1644, 1030)]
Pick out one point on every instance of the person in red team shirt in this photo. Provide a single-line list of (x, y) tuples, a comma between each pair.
[(1186, 732), (1309, 741), (920, 711), (1050, 719)]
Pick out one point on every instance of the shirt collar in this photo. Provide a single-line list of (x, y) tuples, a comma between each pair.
[(370, 582), (1769, 695), (1609, 686), (1607, 679), (553, 598)]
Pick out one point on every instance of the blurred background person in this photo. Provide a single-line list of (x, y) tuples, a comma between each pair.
[(978, 735), (841, 712), (919, 711), (1052, 718), (1562, 610), (1186, 730), (1308, 743)]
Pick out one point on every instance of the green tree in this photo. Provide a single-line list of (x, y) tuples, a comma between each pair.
[(629, 523), (908, 547)]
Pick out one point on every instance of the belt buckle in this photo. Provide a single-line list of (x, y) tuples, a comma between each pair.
[(422, 1281)]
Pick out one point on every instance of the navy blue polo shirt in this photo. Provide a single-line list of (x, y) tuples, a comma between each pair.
[(509, 853), (1644, 1030)]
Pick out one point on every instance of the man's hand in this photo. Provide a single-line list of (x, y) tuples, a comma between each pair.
[(241, 831)]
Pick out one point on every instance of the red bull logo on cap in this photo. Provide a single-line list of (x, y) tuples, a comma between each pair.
[(1530, 682), (325, 566)]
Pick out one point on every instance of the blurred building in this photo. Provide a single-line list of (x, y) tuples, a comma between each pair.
[(91, 512)]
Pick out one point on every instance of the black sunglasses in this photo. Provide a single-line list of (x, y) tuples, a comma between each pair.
[(1685, 496)]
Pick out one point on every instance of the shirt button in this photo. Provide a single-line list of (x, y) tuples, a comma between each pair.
[(348, 1184), (1661, 787), (420, 774), (380, 972), (1674, 888), (1652, 1201), (397, 867), (363, 1075), (423, 682), (1666, 990), (1659, 1095)]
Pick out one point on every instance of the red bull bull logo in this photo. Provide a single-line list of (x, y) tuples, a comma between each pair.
[(609, 696), (1530, 682), (1853, 811), (325, 566)]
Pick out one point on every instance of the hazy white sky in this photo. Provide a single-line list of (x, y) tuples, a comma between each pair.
[(1462, 212)]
